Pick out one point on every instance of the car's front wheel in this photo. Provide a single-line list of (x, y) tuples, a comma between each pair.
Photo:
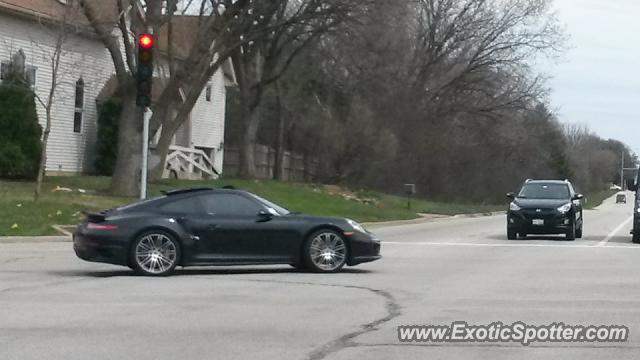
[(512, 235), (571, 232), (155, 253), (325, 251)]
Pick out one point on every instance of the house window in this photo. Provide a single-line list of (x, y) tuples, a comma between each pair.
[(208, 93), (79, 106)]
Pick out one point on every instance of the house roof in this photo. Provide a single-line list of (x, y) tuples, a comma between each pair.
[(183, 37), (183, 32), (55, 10)]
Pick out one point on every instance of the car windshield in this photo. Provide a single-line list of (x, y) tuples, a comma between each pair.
[(544, 191), (277, 208)]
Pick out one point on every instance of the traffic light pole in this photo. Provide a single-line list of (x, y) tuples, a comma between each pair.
[(145, 152), (144, 80)]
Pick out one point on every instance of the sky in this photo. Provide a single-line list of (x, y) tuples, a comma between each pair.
[(597, 80)]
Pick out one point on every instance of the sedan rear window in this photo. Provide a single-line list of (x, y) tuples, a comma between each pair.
[(544, 191)]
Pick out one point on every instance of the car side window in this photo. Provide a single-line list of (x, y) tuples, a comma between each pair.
[(229, 204), (188, 205)]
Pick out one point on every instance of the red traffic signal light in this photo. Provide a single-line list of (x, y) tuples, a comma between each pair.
[(144, 76), (145, 41)]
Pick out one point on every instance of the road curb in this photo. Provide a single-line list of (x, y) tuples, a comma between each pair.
[(429, 219), (33, 239)]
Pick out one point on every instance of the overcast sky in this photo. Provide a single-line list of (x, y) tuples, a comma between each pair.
[(597, 82)]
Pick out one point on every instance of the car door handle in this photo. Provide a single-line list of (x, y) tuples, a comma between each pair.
[(212, 227)]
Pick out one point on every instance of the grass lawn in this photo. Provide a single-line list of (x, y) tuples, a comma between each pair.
[(19, 215), (595, 199)]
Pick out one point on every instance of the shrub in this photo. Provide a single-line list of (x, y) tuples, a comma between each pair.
[(20, 131), (107, 141)]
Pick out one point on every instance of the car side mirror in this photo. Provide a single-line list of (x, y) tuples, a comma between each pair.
[(578, 197), (511, 195), (264, 215), (631, 186)]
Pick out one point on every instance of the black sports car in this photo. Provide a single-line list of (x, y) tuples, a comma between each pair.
[(204, 226)]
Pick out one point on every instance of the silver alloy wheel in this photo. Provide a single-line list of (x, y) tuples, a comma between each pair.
[(155, 253), (328, 251)]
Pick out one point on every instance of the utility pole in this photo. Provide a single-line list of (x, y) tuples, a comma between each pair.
[(145, 152), (622, 171)]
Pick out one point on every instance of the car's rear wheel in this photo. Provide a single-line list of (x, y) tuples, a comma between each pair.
[(155, 253), (325, 251)]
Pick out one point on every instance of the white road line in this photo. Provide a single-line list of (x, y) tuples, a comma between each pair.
[(615, 231), (508, 245)]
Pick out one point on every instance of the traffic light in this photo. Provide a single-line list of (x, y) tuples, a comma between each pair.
[(144, 77)]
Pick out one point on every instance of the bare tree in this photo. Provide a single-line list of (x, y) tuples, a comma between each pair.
[(59, 29), (260, 63)]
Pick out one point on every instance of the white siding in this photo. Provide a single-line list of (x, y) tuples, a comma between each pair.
[(207, 119), (82, 57)]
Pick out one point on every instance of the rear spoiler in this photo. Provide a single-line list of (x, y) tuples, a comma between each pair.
[(95, 217)]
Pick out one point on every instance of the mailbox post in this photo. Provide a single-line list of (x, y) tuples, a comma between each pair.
[(409, 190)]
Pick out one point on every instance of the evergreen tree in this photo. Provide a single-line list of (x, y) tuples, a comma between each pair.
[(20, 131)]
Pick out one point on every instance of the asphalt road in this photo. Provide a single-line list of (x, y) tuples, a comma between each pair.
[(55, 306)]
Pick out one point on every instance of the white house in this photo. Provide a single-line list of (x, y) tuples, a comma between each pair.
[(85, 70)]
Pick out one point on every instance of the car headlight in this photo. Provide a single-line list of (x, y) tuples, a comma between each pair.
[(564, 208), (514, 207), (356, 226)]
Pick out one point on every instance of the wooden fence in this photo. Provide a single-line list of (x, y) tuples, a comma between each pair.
[(296, 166)]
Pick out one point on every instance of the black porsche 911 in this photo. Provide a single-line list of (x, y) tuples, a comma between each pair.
[(205, 226)]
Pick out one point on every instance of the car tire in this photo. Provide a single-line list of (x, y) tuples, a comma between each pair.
[(635, 237), (155, 253), (325, 251), (512, 235), (571, 232), (579, 233)]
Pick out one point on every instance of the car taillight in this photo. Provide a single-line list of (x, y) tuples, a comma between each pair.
[(95, 226)]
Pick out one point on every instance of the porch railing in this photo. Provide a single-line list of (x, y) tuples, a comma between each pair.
[(189, 163)]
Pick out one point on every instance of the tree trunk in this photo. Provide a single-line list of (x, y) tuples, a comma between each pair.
[(278, 171), (247, 149), (126, 175), (43, 156), (162, 151)]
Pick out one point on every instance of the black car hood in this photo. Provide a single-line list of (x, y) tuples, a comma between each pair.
[(540, 203)]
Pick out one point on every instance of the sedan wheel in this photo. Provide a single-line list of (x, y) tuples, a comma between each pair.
[(326, 251), (571, 232), (155, 253)]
